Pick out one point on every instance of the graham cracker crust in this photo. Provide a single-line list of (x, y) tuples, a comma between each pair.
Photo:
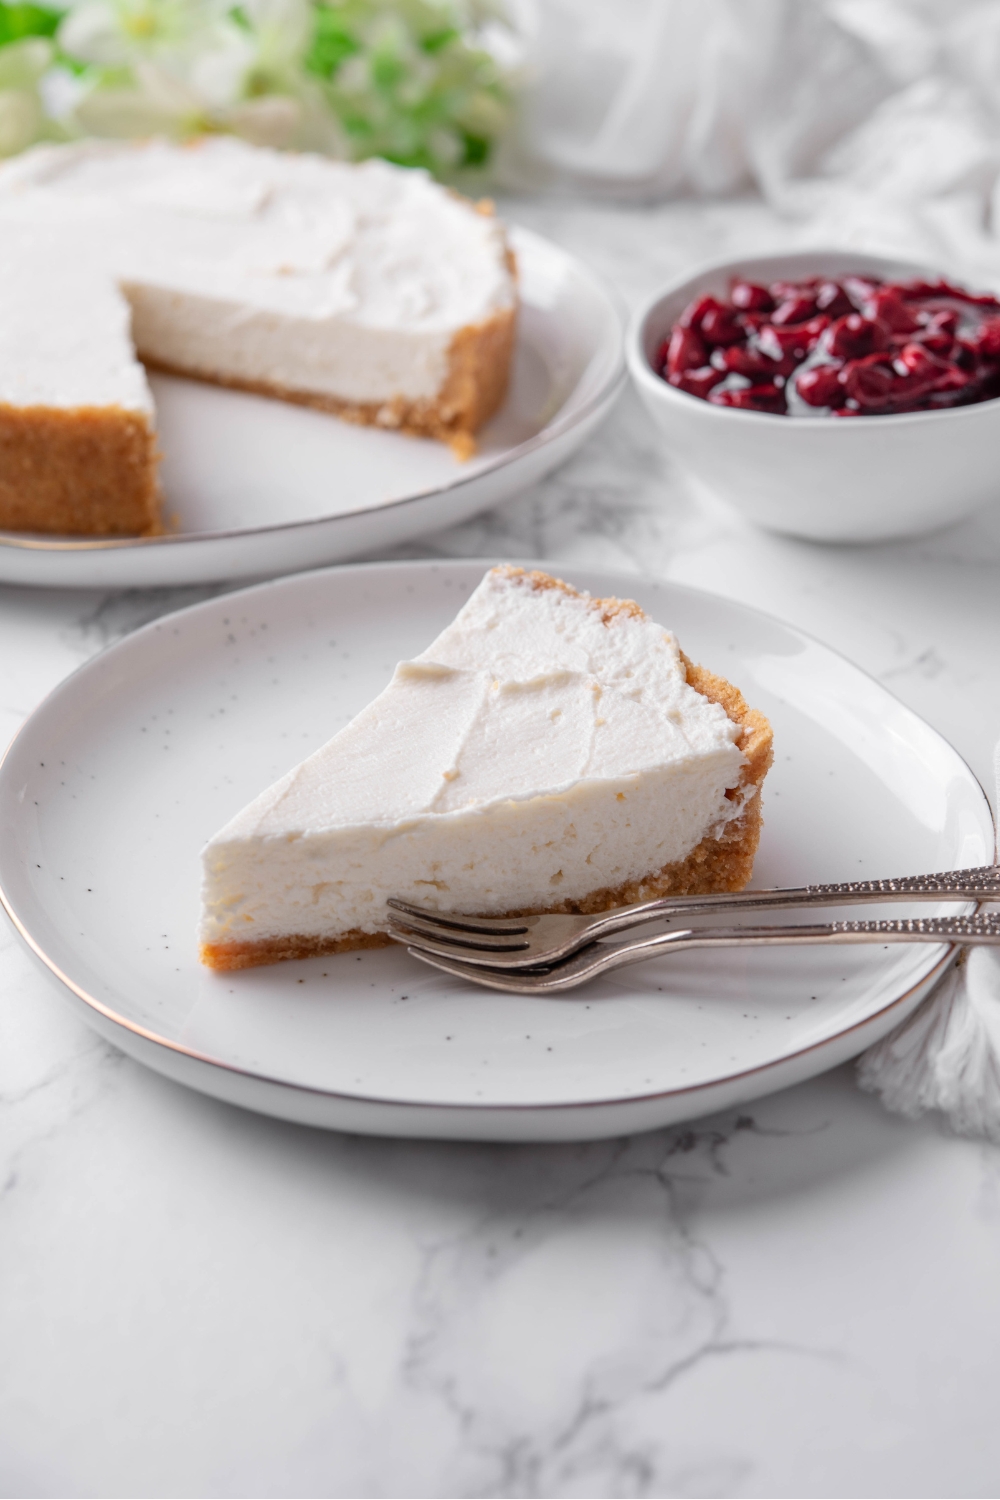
[(718, 863), (226, 956), (85, 471)]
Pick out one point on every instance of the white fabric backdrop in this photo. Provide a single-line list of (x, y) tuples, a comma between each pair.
[(877, 121)]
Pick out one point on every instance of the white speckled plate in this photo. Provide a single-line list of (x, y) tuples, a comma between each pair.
[(112, 786), (256, 487)]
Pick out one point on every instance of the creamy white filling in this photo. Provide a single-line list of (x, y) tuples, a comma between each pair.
[(226, 341), (532, 754), (64, 331), (348, 281)]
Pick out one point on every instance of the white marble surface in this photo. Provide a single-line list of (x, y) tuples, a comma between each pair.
[(801, 1299)]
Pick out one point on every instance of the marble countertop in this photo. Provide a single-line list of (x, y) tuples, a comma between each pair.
[(801, 1298)]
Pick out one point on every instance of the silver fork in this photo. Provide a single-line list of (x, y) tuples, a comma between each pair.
[(601, 958), (526, 942)]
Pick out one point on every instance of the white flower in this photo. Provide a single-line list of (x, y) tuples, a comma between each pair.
[(227, 85), (180, 64), (216, 75), (155, 104), (117, 33), (22, 115), (179, 67), (281, 30)]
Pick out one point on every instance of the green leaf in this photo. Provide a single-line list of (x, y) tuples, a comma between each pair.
[(20, 20), (438, 39), (477, 149), (387, 70), (332, 43)]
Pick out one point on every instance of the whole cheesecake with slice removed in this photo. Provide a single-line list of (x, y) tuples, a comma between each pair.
[(548, 752), (368, 290)]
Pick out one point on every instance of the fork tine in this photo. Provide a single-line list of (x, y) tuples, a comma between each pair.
[(427, 936), (502, 926), (513, 981)]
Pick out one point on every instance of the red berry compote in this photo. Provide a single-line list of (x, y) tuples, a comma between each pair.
[(852, 346)]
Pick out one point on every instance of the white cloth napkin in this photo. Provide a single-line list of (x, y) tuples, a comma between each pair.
[(946, 1055)]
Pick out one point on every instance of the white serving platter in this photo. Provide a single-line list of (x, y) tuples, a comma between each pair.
[(112, 786), (257, 487)]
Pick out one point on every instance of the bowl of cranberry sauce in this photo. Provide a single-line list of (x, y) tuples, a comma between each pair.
[(766, 376)]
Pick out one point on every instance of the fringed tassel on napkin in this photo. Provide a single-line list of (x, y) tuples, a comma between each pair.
[(946, 1056)]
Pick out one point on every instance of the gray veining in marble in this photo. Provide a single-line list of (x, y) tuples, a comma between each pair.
[(798, 1299)]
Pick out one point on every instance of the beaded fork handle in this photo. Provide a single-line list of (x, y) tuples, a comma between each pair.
[(979, 884)]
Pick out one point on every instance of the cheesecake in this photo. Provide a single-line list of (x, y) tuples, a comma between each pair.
[(548, 752), (368, 290)]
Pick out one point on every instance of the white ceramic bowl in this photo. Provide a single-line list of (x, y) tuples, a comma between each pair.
[(840, 481)]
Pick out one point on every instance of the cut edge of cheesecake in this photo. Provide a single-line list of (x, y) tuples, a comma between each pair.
[(479, 364), (722, 862)]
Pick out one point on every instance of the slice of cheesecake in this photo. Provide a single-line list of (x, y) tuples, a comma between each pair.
[(548, 752), (77, 433)]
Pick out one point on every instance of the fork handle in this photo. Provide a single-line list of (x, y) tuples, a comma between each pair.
[(979, 884), (973, 930)]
